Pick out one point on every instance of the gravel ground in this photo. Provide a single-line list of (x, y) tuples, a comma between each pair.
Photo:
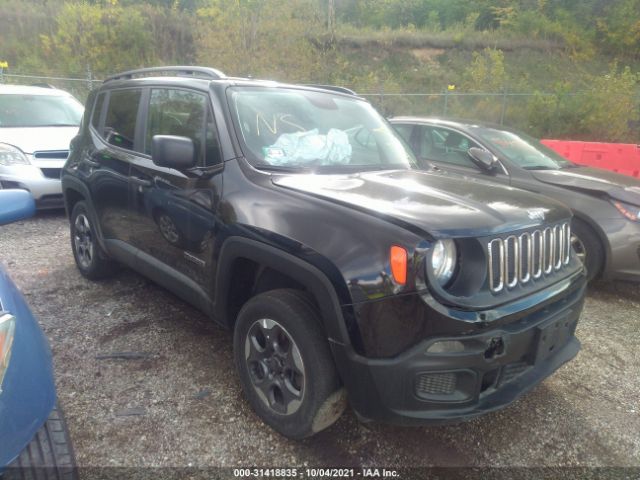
[(180, 404)]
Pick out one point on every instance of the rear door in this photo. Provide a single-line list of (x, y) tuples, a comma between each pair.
[(114, 146), (175, 211)]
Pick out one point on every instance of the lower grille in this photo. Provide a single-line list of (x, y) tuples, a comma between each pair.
[(519, 259), (436, 384)]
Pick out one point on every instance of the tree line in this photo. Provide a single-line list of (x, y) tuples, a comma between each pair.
[(370, 45)]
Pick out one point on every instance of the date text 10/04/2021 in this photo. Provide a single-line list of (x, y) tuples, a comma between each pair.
[(316, 472)]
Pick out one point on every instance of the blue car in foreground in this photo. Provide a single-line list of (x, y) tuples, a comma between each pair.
[(33, 436)]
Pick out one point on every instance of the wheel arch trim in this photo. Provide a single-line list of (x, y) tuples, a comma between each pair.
[(310, 276), (74, 184)]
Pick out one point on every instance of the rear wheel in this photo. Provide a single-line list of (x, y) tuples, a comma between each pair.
[(587, 247), (49, 455), (91, 260), (285, 365)]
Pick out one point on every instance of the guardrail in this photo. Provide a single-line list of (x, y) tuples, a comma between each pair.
[(618, 157)]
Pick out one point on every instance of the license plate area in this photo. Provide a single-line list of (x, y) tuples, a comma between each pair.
[(554, 334)]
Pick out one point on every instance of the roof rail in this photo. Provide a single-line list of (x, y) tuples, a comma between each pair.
[(196, 72), (334, 88)]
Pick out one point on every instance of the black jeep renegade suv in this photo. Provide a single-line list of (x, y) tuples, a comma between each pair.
[(294, 215)]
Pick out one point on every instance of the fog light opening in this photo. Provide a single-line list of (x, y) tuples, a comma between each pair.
[(446, 346)]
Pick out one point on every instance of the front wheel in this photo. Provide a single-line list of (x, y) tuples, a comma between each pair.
[(285, 366)]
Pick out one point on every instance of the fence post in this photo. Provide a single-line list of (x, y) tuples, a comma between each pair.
[(504, 105), (89, 77), (446, 98)]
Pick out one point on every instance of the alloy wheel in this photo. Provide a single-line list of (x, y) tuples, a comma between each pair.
[(580, 249), (83, 241), (275, 366)]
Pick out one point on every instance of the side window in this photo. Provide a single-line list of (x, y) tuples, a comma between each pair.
[(446, 146), (97, 112), (120, 123), (404, 130), (185, 114)]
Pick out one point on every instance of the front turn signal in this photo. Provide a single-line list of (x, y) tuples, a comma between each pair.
[(398, 257)]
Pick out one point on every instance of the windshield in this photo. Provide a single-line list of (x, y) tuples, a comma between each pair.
[(286, 129), (523, 150), (39, 111)]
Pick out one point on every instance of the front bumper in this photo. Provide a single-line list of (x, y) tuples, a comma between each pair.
[(498, 364), (28, 391), (40, 181)]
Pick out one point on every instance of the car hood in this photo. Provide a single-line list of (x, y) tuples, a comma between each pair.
[(617, 186), (37, 139), (437, 203)]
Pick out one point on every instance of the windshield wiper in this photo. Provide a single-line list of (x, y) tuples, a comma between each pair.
[(540, 167), (282, 168)]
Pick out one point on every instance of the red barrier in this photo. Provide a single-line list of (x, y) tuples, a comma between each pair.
[(619, 157)]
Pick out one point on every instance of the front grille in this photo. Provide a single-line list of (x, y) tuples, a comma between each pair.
[(51, 155), (517, 260), (51, 172)]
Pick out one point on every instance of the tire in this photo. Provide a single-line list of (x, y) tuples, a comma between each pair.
[(588, 247), (285, 365), (49, 455), (91, 260)]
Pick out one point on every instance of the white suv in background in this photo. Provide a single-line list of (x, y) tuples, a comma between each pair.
[(36, 127)]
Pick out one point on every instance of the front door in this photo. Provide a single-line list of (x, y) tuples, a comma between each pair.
[(175, 211), (449, 149)]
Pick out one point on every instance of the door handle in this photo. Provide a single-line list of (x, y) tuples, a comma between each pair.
[(141, 181)]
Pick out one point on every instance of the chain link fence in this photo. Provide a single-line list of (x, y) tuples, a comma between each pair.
[(492, 107), (512, 109), (78, 87)]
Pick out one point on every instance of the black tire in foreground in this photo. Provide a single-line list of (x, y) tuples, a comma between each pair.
[(49, 455), (285, 365), (91, 260), (588, 247)]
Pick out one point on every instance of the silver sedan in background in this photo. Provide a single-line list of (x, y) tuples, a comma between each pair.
[(36, 127)]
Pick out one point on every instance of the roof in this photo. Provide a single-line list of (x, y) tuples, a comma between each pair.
[(459, 123), (28, 90)]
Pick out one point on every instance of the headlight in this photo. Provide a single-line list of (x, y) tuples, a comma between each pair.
[(632, 212), (7, 328), (10, 155), (443, 260)]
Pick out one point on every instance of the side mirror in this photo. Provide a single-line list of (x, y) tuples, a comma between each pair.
[(15, 205), (484, 159), (173, 152)]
